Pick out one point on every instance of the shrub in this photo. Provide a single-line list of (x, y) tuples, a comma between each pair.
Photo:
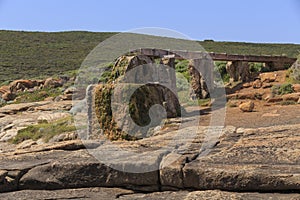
[(255, 67), (220, 67), (37, 95), (182, 67), (282, 89), (5, 83), (181, 82)]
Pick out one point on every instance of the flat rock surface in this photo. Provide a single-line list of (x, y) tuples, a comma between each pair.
[(15, 117), (117, 193), (209, 195), (235, 159), (80, 193)]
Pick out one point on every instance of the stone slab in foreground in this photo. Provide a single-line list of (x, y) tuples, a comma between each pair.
[(241, 160), (116, 193)]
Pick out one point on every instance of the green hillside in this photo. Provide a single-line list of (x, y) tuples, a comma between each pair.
[(290, 50), (36, 54)]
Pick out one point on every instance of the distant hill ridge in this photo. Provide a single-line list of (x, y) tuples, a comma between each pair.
[(36, 54)]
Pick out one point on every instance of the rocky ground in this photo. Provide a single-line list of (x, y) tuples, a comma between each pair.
[(256, 156), (243, 163)]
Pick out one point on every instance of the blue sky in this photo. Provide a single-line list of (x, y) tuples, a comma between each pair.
[(275, 21)]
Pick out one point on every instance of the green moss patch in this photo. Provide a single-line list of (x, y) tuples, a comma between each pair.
[(44, 130)]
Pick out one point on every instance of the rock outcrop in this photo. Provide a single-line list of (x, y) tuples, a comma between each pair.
[(268, 77), (122, 104), (21, 85), (257, 84), (10, 92), (200, 76), (238, 71), (53, 83)]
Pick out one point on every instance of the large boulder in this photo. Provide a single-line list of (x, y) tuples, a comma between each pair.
[(268, 77), (257, 84), (296, 87), (53, 83), (135, 117), (247, 106)]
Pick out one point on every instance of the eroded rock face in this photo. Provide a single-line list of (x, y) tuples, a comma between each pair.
[(200, 74), (238, 71), (295, 70), (122, 105)]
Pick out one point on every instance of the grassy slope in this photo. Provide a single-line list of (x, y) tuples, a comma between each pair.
[(41, 54), (34, 54), (290, 50)]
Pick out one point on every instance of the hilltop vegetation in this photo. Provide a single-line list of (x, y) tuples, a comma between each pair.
[(290, 50), (42, 54)]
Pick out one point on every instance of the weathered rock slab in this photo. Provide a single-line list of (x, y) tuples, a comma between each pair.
[(80, 193), (265, 159), (209, 195), (241, 160)]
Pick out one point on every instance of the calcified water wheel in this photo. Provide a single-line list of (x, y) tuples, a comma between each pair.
[(130, 85)]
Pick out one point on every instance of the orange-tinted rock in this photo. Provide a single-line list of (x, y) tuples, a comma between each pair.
[(275, 99), (291, 97), (268, 77), (21, 85), (52, 83), (8, 96), (247, 106), (296, 87), (257, 84)]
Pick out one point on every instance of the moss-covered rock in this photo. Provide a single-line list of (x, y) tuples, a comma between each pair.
[(123, 109)]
